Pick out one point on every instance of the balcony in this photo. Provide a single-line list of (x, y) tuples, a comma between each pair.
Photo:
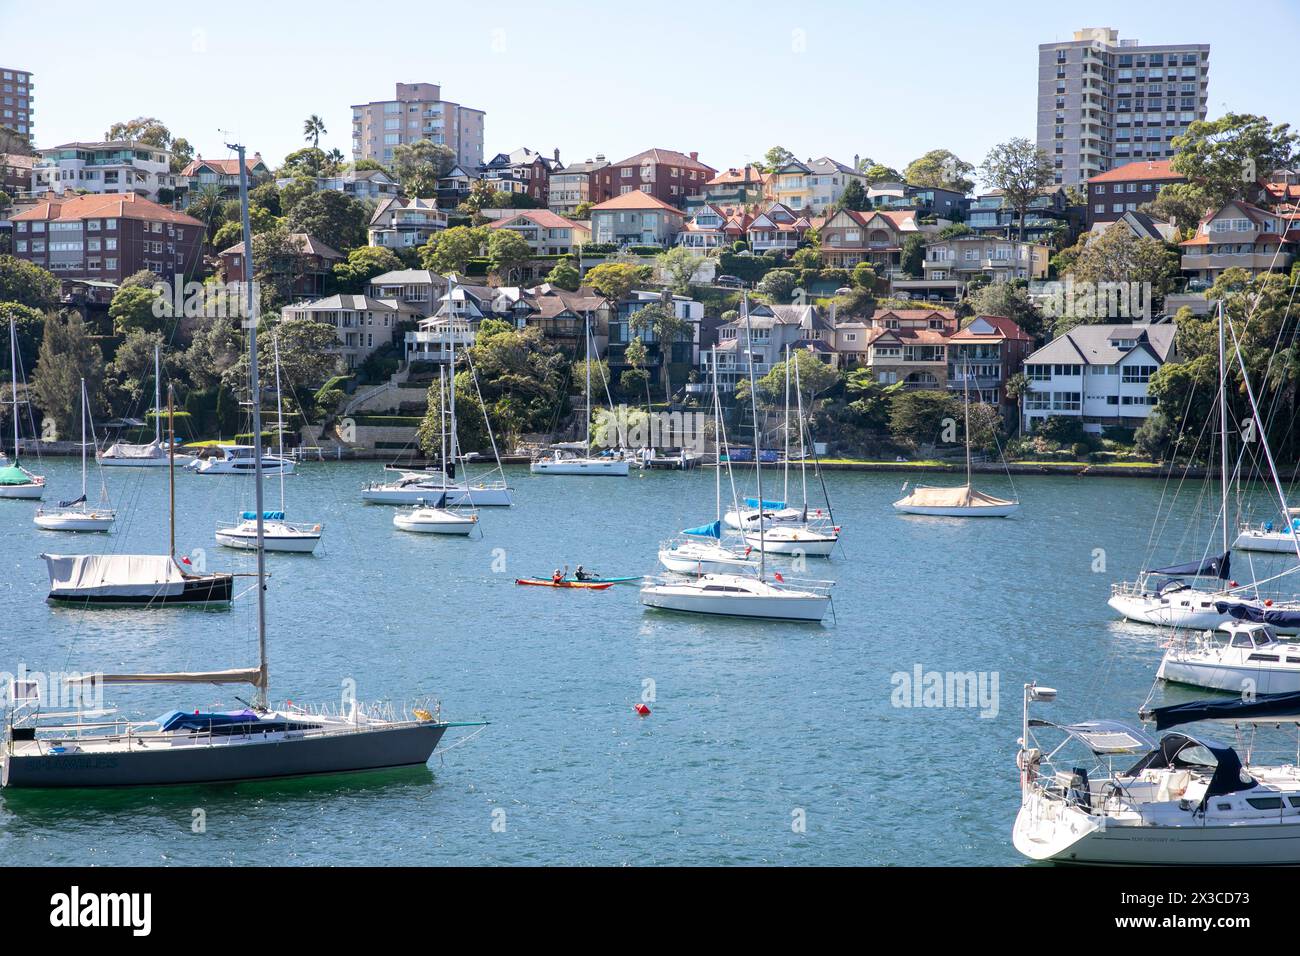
[(1254, 261)]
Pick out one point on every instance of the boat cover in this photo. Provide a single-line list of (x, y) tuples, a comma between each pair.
[(266, 515), (124, 450), (1278, 617), (14, 475), (196, 720), (706, 530), (1229, 777), (963, 496), (753, 503), (1261, 707), (114, 575), (1213, 567), (75, 501)]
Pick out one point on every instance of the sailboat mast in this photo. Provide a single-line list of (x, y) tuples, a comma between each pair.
[(451, 388), (1223, 431), (586, 335), (803, 451), (965, 379), (255, 397), (13, 380), (83, 441), (442, 422), (717, 433), (157, 397), (785, 488), (279, 414), (171, 476), (758, 455)]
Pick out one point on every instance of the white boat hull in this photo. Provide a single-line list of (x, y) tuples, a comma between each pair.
[(683, 562), (217, 466), (614, 468), (454, 525), (76, 521), (1194, 610), (32, 492), (1182, 668), (734, 596), (275, 537), (1275, 542), (461, 496), (958, 511), (181, 461), (793, 542)]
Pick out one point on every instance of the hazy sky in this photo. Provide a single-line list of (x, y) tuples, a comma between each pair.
[(888, 81)]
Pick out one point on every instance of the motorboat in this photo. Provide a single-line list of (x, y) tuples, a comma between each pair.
[(739, 595), (239, 460), (277, 533), (1265, 537), (1248, 659)]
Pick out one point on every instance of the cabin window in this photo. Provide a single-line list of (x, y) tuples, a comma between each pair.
[(1265, 803)]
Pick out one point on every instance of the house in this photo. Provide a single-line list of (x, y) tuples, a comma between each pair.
[(577, 183), (454, 188), (405, 223), (219, 174), (523, 172), (910, 346), (418, 288), (665, 174), (452, 327), (1048, 216), (1140, 225), (636, 219), (372, 185), (1096, 373), (876, 236), (1125, 188), (564, 317), (683, 350), (116, 166), (735, 188), (711, 229), (778, 228), (957, 259), (548, 234), (983, 355), (926, 201), (108, 237), (765, 338), (310, 268), (1242, 236), (364, 324), (813, 187), (16, 174)]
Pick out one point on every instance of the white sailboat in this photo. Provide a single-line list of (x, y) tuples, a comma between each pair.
[(732, 595), (433, 516), (76, 515), (570, 459), (278, 534), (1265, 537), (189, 746), (153, 455), (963, 501), (15, 480), (241, 460)]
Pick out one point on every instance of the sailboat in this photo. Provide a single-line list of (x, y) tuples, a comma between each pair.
[(1162, 596), (1266, 537), (187, 746), (75, 515), (153, 455), (137, 580), (813, 534), (740, 595), (700, 550), (411, 487), (963, 501), (573, 459), (433, 516), (277, 533), (15, 480)]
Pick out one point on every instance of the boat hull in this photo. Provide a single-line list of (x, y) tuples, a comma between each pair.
[(292, 543), (228, 761), (461, 527), (959, 511), (197, 590), (181, 461), (810, 608), (1235, 678), (89, 521), (1188, 612), (217, 466), (817, 546), (1274, 542), (685, 564), (583, 466), (31, 492), (467, 497)]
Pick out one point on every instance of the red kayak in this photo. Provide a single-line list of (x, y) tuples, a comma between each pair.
[(589, 585)]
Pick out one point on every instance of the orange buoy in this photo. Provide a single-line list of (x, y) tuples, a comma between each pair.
[(643, 710)]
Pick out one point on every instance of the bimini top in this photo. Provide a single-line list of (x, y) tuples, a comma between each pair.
[(1175, 752), (1104, 737)]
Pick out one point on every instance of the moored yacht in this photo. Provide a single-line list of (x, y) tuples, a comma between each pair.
[(240, 460), (1249, 658), (739, 595)]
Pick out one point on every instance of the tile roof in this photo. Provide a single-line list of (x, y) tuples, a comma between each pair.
[(636, 200), (1138, 171), (307, 245), (104, 206), (1000, 327), (227, 167), (542, 217), (669, 157), (750, 174)]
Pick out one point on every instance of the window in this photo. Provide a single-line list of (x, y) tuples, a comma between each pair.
[(1137, 374)]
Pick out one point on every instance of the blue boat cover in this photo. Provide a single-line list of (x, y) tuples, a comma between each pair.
[(706, 530), (753, 503), (182, 720), (440, 503), (1229, 777), (1215, 567), (266, 515), (1259, 615), (1281, 706), (74, 501)]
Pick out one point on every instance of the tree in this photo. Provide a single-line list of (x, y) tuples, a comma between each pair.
[(508, 252), (67, 355), (775, 158), (29, 326), (418, 166), (143, 129), (940, 169), (814, 375), (309, 161), (565, 275), (335, 218), (779, 285), (1021, 171), (307, 356), (313, 128), (452, 249), (922, 417), (614, 280), (1114, 258), (182, 154), (661, 319), (807, 258), (334, 162), (878, 173), (677, 266), (912, 257), (1011, 302), (583, 211), (132, 309), (362, 265), (636, 378), (215, 347), (864, 276), (28, 284), (1223, 158), (479, 198), (854, 196), (130, 375), (1180, 203)]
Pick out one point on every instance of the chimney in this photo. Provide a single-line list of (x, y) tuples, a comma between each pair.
[(557, 154), (695, 156), (856, 160)]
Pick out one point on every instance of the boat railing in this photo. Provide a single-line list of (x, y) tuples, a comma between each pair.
[(299, 527)]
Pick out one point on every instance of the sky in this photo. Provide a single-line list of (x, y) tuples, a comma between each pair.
[(888, 81)]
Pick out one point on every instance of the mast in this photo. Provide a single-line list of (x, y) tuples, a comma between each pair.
[(965, 379), (1223, 432), (717, 435), (442, 421), (255, 398), (758, 455), (586, 334), (171, 476), (785, 488), (13, 378), (279, 414), (451, 377), (803, 451), (83, 442), (157, 397)]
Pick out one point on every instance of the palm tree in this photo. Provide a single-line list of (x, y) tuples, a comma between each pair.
[(334, 160), (313, 128), (661, 318)]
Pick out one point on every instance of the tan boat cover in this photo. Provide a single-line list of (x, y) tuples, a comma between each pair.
[(250, 675), (114, 575), (125, 450), (961, 497)]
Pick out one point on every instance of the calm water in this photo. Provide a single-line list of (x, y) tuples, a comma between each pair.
[(751, 724)]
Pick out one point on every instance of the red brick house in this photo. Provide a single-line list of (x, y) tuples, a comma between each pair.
[(108, 237), (311, 267), (1128, 187), (983, 355), (663, 173)]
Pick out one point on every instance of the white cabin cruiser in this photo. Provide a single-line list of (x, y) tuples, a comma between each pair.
[(239, 460), (737, 595), (277, 533), (567, 461), (1250, 658)]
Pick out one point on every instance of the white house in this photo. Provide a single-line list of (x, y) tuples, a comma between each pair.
[(1097, 373)]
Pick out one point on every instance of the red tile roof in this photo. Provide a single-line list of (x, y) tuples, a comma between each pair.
[(636, 200), (1004, 328), (542, 217), (669, 157), (305, 244), (1137, 171), (750, 174), (105, 206)]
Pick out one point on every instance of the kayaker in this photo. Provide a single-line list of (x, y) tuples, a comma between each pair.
[(557, 575), (579, 574)]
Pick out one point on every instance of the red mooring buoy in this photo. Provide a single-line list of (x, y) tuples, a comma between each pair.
[(643, 710)]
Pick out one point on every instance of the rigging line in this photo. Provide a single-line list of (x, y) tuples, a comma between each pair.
[(496, 455), (1152, 538)]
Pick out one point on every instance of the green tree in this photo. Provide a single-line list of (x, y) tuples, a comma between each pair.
[(864, 276), (508, 253), (879, 173), (132, 309), (922, 417), (1021, 171), (1011, 302), (583, 211), (635, 378), (677, 266), (912, 257), (143, 129), (362, 265), (940, 169), (1224, 157), (129, 378), (418, 166), (854, 196), (775, 158), (614, 280), (565, 275), (309, 161), (29, 326), (313, 128), (28, 284), (662, 320), (779, 285), (67, 355), (335, 218), (182, 154), (307, 356), (1180, 203), (452, 249)]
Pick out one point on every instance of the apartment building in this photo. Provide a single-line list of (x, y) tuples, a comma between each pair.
[(1048, 217), (1240, 236), (1096, 373), (405, 223), (577, 183), (665, 174), (17, 104), (115, 166), (1128, 187), (108, 237), (417, 111), (1104, 101), (960, 258)]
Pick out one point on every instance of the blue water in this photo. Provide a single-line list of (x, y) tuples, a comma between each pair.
[(754, 727)]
